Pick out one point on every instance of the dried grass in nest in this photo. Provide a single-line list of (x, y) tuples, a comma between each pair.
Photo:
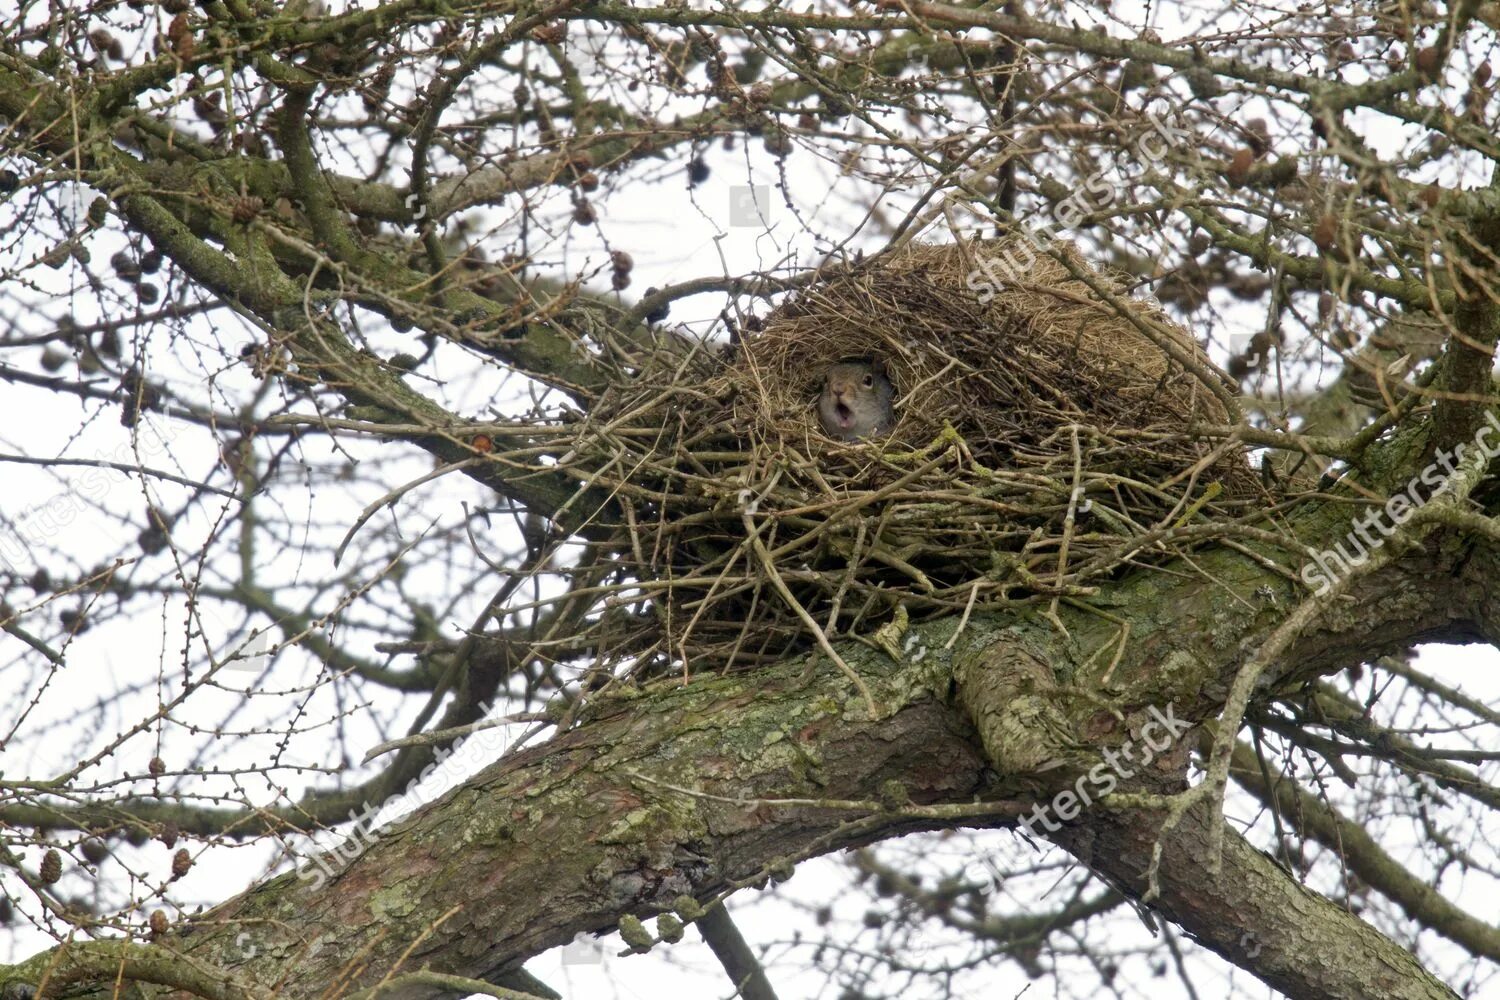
[(1040, 446)]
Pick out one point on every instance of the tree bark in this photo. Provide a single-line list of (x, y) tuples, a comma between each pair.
[(677, 793), (1251, 911)]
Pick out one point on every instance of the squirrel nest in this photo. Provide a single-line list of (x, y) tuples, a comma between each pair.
[(1041, 444)]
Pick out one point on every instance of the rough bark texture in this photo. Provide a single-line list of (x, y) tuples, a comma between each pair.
[(1251, 911), (570, 835)]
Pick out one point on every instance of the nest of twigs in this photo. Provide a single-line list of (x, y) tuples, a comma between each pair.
[(1042, 443)]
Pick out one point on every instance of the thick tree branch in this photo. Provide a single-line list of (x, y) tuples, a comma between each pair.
[(690, 791), (1313, 818), (1250, 911)]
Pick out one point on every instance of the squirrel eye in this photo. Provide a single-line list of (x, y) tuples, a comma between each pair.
[(869, 381)]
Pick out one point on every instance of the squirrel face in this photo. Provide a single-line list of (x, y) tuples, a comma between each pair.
[(856, 401)]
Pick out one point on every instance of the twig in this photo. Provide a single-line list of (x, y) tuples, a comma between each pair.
[(391, 497), (769, 564), (125, 467), (437, 736)]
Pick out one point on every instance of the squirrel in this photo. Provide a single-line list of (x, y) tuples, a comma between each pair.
[(856, 401)]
